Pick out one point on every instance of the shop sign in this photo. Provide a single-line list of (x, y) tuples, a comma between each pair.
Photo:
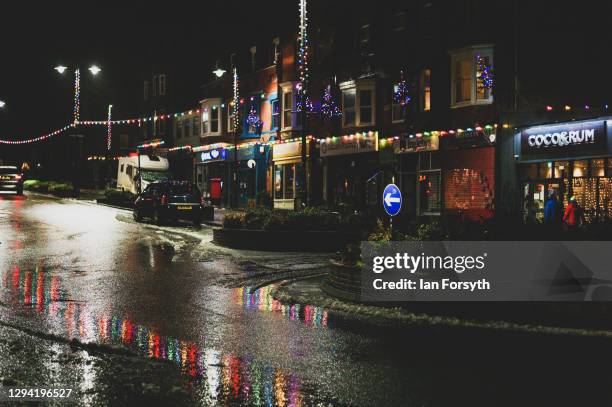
[(216, 154), (353, 144), (284, 151), (567, 137), (417, 144)]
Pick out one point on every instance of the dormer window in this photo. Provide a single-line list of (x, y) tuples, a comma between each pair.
[(469, 85)]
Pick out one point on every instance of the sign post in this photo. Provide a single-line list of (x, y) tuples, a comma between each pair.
[(392, 202)]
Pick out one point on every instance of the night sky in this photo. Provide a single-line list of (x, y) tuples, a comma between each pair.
[(119, 37)]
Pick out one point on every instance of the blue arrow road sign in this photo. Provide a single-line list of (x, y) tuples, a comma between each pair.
[(392, 199)]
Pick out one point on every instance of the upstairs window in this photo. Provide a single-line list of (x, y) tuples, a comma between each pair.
[(162, 84), (348, 107), (469, 86), (287, 109), (275, 114), (145, 94), (426, 90), (358, 107), (365, 107), (398, 112)]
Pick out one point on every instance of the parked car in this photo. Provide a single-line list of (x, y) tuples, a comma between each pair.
[(169, 200), (11, 179)]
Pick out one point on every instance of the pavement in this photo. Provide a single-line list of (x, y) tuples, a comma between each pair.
[(134, 314)]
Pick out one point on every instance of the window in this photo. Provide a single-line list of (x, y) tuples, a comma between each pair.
[(214, 119), (364, 40), (129, 170), (162, 84), (358, 108), (399, 21), (598, 167), (275, 114), (398, 112), (284, 181), (365, 107), (426, 90), (121, 170), (187, 128), (429, 191), (196, 125), (154, 86), (348, 107), (287, 108), (145, 94), (581, 168), (468, 87)]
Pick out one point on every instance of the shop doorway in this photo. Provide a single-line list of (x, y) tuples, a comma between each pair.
[(535, 195)]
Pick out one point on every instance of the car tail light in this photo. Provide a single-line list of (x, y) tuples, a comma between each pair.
[(164, 200)]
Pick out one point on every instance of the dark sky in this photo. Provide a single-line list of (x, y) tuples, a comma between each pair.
[(118, 36)]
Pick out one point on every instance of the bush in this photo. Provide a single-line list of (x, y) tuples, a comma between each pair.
[(233, 221), (35, 185), (118, 195), (61, 189), (255, 219)]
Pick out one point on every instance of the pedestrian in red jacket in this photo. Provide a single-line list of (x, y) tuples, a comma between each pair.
[(573, 216)]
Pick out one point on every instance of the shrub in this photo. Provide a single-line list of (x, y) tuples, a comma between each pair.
[(233, 221), (61, 189), (255, 218), (35, 185), (118, 194), (276, 221)]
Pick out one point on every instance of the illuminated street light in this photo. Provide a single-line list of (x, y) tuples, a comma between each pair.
[(60, 68), (218, 70), (2, 103), (94, 69)]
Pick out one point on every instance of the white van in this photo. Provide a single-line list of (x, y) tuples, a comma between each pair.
[(152, 168)]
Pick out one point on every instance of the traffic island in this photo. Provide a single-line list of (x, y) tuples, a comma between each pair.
[(310, 230)]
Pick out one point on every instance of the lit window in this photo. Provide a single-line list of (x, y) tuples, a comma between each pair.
[(469, 83), (398, 112), (365, 107), (358, 108), (426, 90)]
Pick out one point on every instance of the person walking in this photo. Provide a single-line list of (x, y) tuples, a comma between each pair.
[(573, 217), (552, 210)]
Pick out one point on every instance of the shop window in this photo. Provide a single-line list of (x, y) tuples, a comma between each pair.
[(561, 169), (545, 170), (275, 114), (598, 167), (467, 82), (398, 112), (429, 192), (609, 167), (285, 181), (581, 168), (348, 107), (426, 90)]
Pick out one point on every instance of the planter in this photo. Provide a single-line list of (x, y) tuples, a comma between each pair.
[(343, 281), (283, 240)]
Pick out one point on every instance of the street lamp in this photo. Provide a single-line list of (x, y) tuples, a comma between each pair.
[(61, 69), (2, 103), (94, 69), (218, 70)]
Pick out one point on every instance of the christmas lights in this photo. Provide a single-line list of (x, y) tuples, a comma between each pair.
[(39, 138), (253, 118), (109, 136), (484, 73), (236, 100), (303, 101), (401, 92), (77, 95), (329, 107)]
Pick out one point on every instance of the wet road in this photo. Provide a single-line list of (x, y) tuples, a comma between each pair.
[(128, 313)]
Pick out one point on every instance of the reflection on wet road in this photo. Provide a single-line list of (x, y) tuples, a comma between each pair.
[(79, 275)]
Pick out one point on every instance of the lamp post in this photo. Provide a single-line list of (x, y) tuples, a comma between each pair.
[(2, 103)]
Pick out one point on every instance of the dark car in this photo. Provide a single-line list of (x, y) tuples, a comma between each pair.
[(11, 179), (169, 200)]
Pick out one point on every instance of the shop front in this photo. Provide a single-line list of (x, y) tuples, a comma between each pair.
[(418, 163), (286, 173), (252, 169), (468, 173), (351, 170), (211, 169), (569, 160)]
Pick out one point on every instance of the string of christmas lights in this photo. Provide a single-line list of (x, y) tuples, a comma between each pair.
[(484, 73), (329, 107), (302, 60), (236, 100), (109, 134), (39, 138), (253, 118), (77, 95)]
